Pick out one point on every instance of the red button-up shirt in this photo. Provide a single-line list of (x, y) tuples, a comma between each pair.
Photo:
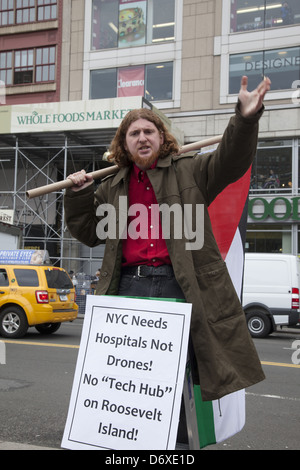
[(150, 247)]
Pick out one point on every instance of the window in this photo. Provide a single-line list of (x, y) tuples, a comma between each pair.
[(116, 23), (282, 66), (275, 239), (6, 12), (23, 72), (105, 24), (163, 21), (249, 15), (26, 277), (45, 64), (28, 66), (46, 10), (57, 279), (103, 84), (272, 168), (3, 278), (154, 82), (159, 82), (6, 67), (26, 11)]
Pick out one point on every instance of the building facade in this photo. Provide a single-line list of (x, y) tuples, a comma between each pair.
[(186, 57), (31, 47)]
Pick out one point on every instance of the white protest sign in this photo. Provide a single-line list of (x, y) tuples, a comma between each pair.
[(129, 375)]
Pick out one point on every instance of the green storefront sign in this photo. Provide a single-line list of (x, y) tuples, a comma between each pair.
[(289, 208)]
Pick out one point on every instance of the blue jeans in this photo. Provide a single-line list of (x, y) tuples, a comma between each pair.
[(164, 286)]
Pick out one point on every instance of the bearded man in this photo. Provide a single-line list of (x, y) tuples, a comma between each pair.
[(151, 173)]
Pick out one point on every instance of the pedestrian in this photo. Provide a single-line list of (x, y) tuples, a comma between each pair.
[(150, 173), (286, 14)]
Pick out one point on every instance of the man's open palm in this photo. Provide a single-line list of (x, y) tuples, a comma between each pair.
[(251, 102)]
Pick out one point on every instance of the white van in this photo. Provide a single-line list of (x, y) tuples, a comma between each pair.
[(270, 292)]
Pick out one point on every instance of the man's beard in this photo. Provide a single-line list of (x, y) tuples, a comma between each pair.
[(144, 162)]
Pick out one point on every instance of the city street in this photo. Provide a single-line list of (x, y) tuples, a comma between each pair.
[(36, 382), (177, 122)]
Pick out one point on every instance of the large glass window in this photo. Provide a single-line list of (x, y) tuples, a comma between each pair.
[(123, 23), (153, 81), (28, 66), (159, 82), (105, 23), (268, 238), (103, 84), (272, 168), (282, 66), (248, 15), (26, 11)]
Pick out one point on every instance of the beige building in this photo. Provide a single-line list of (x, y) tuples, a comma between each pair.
[(199, 51), (187, 57)]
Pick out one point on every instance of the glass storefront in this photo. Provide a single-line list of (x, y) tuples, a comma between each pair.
[(272, 168), (274, 198), (153, 81), (282, 66), (122, 24), (273, 239), (247, 15)]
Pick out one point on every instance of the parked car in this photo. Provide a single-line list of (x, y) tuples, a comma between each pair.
[(40, 296), (270, 292)]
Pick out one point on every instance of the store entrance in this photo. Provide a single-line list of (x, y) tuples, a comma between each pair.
[(272, 239)]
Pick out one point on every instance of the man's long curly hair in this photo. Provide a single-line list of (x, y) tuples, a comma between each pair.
[(120, 156)]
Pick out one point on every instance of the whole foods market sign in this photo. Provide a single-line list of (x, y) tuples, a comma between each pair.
[(106, 115), (64, 116), (277, 209), (75, 115)]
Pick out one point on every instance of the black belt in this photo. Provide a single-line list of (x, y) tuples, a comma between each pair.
[(148, 271)]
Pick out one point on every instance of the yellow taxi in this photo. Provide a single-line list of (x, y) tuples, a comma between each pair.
[(31, 294)]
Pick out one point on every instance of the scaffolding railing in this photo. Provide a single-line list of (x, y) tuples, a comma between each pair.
[(24, 166)]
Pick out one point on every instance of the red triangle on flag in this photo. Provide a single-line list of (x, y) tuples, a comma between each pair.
[(226, 211)]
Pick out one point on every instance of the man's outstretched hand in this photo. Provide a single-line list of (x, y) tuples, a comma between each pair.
[(251, 102)]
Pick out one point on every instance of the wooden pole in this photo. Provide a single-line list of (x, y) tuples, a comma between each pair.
[(54, 187)]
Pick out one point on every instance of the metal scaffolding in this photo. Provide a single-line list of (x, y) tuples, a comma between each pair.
[(31, 160)]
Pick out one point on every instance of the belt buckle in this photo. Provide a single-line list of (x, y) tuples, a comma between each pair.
[(139, 271)]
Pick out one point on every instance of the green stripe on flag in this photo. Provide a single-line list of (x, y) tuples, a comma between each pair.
[(205, 419)]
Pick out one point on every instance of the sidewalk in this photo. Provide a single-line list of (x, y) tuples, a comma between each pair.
[(15, 446)]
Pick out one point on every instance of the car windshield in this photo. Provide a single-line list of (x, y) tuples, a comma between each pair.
[(57, 279)]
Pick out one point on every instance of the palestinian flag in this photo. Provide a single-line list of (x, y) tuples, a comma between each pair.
[(228, 215), (214, 421)]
